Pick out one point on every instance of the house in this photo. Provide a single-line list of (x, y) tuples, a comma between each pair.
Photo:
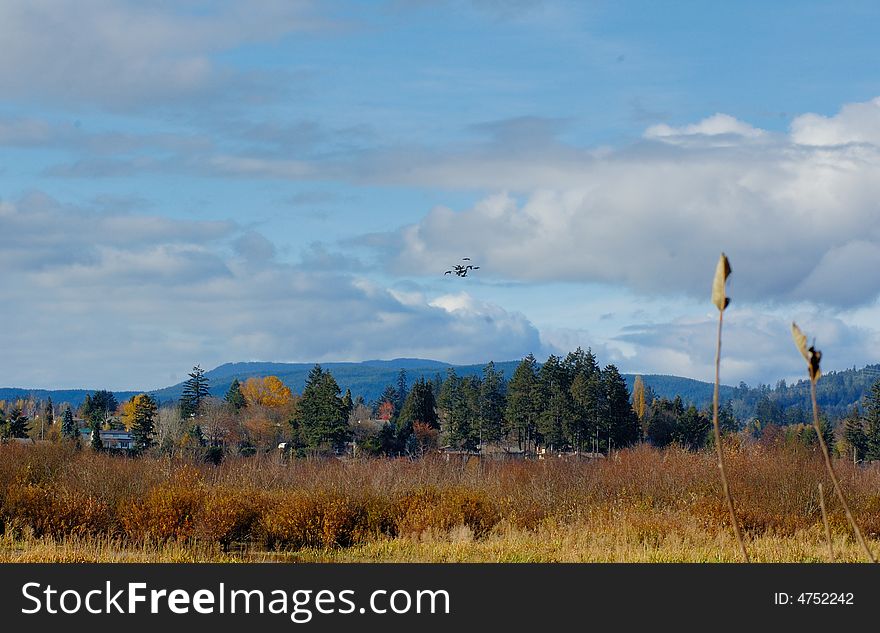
[(113, 440)]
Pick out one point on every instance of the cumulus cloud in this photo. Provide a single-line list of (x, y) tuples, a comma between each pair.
[(799, 222), (120, 300), (716, 125), (855, 123), (757, 346)]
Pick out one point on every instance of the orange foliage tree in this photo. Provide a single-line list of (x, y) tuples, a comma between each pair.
[(267, 392)]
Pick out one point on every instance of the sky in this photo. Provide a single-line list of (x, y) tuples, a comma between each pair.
[(198, 182)]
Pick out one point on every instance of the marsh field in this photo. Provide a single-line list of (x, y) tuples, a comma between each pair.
[(642, 504)]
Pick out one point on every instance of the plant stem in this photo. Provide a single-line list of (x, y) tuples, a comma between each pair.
[(721, 469), (830, 468), (825, 521)]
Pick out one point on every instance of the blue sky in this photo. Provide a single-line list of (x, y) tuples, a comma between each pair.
[(203, 182)]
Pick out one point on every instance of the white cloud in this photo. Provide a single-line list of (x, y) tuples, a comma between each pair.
[(855, 123), (800, 223), (757, 346), (717, 125)]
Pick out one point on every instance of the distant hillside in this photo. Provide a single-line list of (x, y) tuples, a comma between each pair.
[(73, 397), (369, 378), (837, 392)]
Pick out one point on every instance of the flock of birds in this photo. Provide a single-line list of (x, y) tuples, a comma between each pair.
[(461, 270)]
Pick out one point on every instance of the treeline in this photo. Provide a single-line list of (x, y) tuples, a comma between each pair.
[(565, 404)]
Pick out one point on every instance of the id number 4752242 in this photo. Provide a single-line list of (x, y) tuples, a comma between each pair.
[(817, 598)]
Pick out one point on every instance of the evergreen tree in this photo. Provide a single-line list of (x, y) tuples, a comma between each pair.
[(49, 412), (693, 429), (196, 434), (321, 417), (98, 406), (400, 391), (95, 440), (621, 421), (726, 419), (586, 393), (17, 425), (387, 404), (347, 403), (145, 410), (662, 423), (523, 405), (854, 433), (68, 425), (872, 423), (461, 405), (420, 407), (555, 422), (492, 404), (195, 391), (234, 396)]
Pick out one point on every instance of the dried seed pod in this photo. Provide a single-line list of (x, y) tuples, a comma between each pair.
[(722, 272), (810, 354)]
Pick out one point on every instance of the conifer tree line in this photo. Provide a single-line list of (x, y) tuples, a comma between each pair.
[(564, 404)]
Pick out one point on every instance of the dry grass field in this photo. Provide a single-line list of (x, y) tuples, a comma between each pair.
[(58, 504)]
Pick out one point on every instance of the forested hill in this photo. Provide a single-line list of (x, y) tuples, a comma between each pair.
[(73, 397), (366, 379), (837, 392)]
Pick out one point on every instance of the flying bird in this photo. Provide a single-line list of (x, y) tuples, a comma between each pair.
[(461, 270)]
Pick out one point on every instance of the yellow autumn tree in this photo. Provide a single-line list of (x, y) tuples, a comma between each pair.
[(638, 398), (127, 413), (268, 392)]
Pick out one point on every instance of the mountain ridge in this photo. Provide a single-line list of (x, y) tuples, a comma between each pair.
[(365, 378)]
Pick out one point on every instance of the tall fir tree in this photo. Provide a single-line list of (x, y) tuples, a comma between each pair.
[(523, 401), (195, 391), (321, 418), (420, 406), (621, 421), (386, 406), (492, 403), (95, 440), (142, 428), (17, 425), (234, 396), (401, 390), (872, 424), (586, 393), (557, 411), (49, 412), (347, 403), (855, 436), (68, 425), (98, 406), (693, 429), (460, 399)]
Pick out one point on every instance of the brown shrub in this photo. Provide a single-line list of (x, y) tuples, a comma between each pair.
[(230, 515), (429, 508), (167, 511), (55, 513)]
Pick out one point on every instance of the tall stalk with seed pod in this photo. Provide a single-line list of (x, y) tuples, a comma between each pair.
[(721, 301), (813, 357)]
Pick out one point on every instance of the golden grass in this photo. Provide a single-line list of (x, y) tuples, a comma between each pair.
[(644, 505)]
